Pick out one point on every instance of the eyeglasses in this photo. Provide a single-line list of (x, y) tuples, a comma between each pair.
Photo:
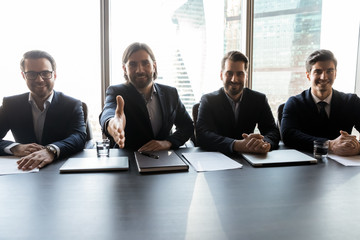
[(33, 75)]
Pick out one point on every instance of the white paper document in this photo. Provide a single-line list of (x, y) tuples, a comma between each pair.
[(8, 165), (210, 161), (346, 161)]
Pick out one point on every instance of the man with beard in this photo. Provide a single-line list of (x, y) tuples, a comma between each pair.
[(322, 113), (227, 117), (140, 114), (46, 124)]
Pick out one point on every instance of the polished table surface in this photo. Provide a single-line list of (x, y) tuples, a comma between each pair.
[(319, 201)]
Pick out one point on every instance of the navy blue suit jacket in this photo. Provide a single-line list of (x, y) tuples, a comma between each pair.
[(138, 130), (64, 124), (216, 128), (301, 123)]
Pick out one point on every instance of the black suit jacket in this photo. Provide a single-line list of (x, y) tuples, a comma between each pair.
[(216, 128), (301, 123), (138, 130), (64, 124)]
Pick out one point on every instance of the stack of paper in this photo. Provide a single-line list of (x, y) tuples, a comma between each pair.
[(210, 161), (8, 165), (346, 161)]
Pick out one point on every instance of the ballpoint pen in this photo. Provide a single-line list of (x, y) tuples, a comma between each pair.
[(149, 155)]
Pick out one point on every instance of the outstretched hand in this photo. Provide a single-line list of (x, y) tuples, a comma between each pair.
[(116, 127)]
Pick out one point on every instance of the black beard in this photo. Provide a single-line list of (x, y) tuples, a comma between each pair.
[(232, 92)]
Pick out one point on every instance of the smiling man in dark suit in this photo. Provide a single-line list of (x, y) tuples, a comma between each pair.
[(140, 114), (45, 124), (321, 112), (227, 117)]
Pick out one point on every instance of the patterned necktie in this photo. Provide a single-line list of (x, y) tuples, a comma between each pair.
[(322, 112)]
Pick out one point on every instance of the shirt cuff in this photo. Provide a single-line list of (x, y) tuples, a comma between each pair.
[(105, 131), (7, 149), (57, 150), (231, 146)]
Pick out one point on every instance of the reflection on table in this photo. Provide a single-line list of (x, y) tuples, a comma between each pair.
[(289, 202)]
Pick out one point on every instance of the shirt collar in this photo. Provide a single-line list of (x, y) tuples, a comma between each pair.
[(317, 100), (47, 101), (231, 100), (153, 92)]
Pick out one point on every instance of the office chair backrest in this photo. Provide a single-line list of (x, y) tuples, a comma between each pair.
[(89, 135), (195, 111), (280, 114)]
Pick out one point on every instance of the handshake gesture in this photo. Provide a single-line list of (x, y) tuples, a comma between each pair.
[(116, 128)]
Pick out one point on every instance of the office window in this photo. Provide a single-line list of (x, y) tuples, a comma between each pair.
[(357, 84), (188, 38), (286, 32), (69, 31)]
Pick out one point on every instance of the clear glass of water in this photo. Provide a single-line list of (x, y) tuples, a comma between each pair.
[(103, 147), (321, 149)]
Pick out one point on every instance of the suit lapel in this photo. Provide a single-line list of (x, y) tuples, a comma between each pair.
[(336, 104), (27, 118), (137, 102), (137, 99), (50, 117), (310, 102), (228, 112), (162, 101)]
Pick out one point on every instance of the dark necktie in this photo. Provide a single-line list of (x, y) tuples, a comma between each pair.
[(322, 112)]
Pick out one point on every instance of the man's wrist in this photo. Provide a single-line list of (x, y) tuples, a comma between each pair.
[(169, 144), (237, 146), (232, 148), (106, 125), (9, 149), (330, 148), (52, 150)]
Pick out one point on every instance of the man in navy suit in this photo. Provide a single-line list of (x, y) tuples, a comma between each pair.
[(321, 112), (227, 117), (143, 111), (45, 124)]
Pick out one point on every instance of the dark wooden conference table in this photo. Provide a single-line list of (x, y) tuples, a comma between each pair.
[(319, 201)]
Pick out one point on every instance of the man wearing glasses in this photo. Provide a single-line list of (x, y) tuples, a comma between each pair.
[(46, 124), (143, 110)]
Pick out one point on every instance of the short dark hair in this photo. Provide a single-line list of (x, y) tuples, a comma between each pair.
[(235, 56), (134, 47), (319, 56), (36, 54)]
